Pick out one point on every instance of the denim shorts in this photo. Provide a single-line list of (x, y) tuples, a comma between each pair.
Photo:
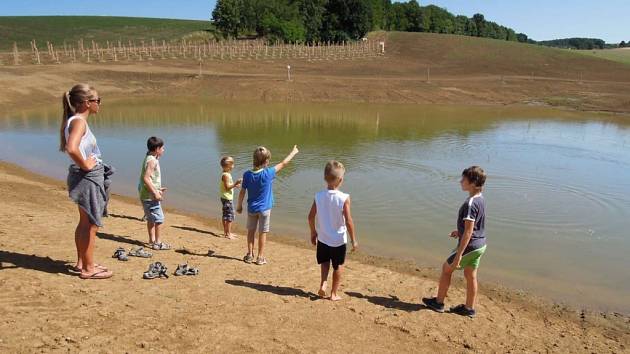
[(153, 211)]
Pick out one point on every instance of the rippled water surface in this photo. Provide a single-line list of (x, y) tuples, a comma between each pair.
[(558, 192)]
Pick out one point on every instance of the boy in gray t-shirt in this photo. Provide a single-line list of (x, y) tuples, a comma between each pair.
[(471, 244)]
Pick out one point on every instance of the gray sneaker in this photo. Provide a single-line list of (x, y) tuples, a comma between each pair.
[(261, 261), (249, 259)]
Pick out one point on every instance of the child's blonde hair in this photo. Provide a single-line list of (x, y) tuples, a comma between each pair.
[(261, 156), (334, 171), (225, 161)]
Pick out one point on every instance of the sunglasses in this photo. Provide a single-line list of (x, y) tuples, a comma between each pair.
[(98, 100)]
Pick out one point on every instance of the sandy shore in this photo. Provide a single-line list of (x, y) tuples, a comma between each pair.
[(234, 307)]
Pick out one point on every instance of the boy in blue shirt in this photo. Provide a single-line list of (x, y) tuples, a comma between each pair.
[(471, 244), (258, 184)]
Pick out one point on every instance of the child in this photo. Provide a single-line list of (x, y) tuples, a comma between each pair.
[(151, 192), (471, 244), (226, 187), (258, 184), (334, 220)]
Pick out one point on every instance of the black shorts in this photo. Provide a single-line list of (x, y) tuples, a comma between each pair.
[(336, 255), (228, 210)]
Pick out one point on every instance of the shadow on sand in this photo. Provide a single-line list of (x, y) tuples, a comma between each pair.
[(117, 238), (34, 262), (391, 302), (277, 290), (126, 217), (193, 229), (210, 253)]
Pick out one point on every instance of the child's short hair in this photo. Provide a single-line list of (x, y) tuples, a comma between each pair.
[(334, 171), (261, 156), (154, 143), (225, 160), (475, 175)]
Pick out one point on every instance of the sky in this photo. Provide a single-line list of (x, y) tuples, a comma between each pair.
[(539, 19)]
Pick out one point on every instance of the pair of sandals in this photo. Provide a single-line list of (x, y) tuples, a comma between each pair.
[(249, 259), (156, 270), (122, 255), (160, 246), (159, 270), (184, 269)]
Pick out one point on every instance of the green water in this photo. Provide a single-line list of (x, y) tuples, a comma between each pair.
[(558, 191)]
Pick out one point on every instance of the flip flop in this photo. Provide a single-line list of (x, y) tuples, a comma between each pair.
[(140, 252), (76, 270), (101, 274)]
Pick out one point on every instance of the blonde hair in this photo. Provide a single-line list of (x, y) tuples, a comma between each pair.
[(334, 171), (70, 101), (261, 156), (225, 160)]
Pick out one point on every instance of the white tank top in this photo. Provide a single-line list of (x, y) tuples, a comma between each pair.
[(331, 224), (88, 145)]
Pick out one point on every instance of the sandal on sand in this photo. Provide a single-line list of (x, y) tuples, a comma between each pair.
[(99, 274), (120, 254), (140, 252), (156, 270), (249, 259), (184, 269), (261, 261), (161, 246)]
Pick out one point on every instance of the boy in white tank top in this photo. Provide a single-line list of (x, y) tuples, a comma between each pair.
[(331, 210)]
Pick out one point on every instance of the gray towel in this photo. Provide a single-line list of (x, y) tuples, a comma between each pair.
[(90, 190)]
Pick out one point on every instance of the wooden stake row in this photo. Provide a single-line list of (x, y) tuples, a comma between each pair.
[(216, 50)]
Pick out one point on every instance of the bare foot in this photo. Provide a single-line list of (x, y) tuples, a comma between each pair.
[(322, 293), (335, 297)]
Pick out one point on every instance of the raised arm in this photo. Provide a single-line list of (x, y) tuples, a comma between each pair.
[(347, 214), (77, 129), (157, 194), (311, 223), (287, 159)]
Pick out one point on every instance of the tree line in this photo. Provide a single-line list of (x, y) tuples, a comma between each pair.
[(575, 43), (343, 20)]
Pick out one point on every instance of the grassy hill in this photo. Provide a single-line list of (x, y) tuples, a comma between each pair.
[(621, 55), (461, 56), (57, 29)]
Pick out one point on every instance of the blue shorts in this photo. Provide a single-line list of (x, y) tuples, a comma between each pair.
[(153, 211)]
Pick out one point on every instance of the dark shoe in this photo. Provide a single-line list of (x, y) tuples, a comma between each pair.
[(462, 310), (433, 304)]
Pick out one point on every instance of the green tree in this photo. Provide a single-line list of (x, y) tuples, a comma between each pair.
[(227, 17), (312, 12)]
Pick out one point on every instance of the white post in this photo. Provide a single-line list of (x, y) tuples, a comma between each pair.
[(289, 72)]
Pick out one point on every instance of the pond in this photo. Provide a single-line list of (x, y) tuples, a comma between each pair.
[(558, 189)]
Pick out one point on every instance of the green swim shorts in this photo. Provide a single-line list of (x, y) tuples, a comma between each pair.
[(470, 259)]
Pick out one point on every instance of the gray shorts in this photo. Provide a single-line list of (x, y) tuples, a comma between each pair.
[(259, 220)]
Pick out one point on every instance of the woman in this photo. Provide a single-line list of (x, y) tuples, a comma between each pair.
[(88, 177)]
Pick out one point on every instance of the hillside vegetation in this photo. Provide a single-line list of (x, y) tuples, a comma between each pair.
[(57, 29)]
